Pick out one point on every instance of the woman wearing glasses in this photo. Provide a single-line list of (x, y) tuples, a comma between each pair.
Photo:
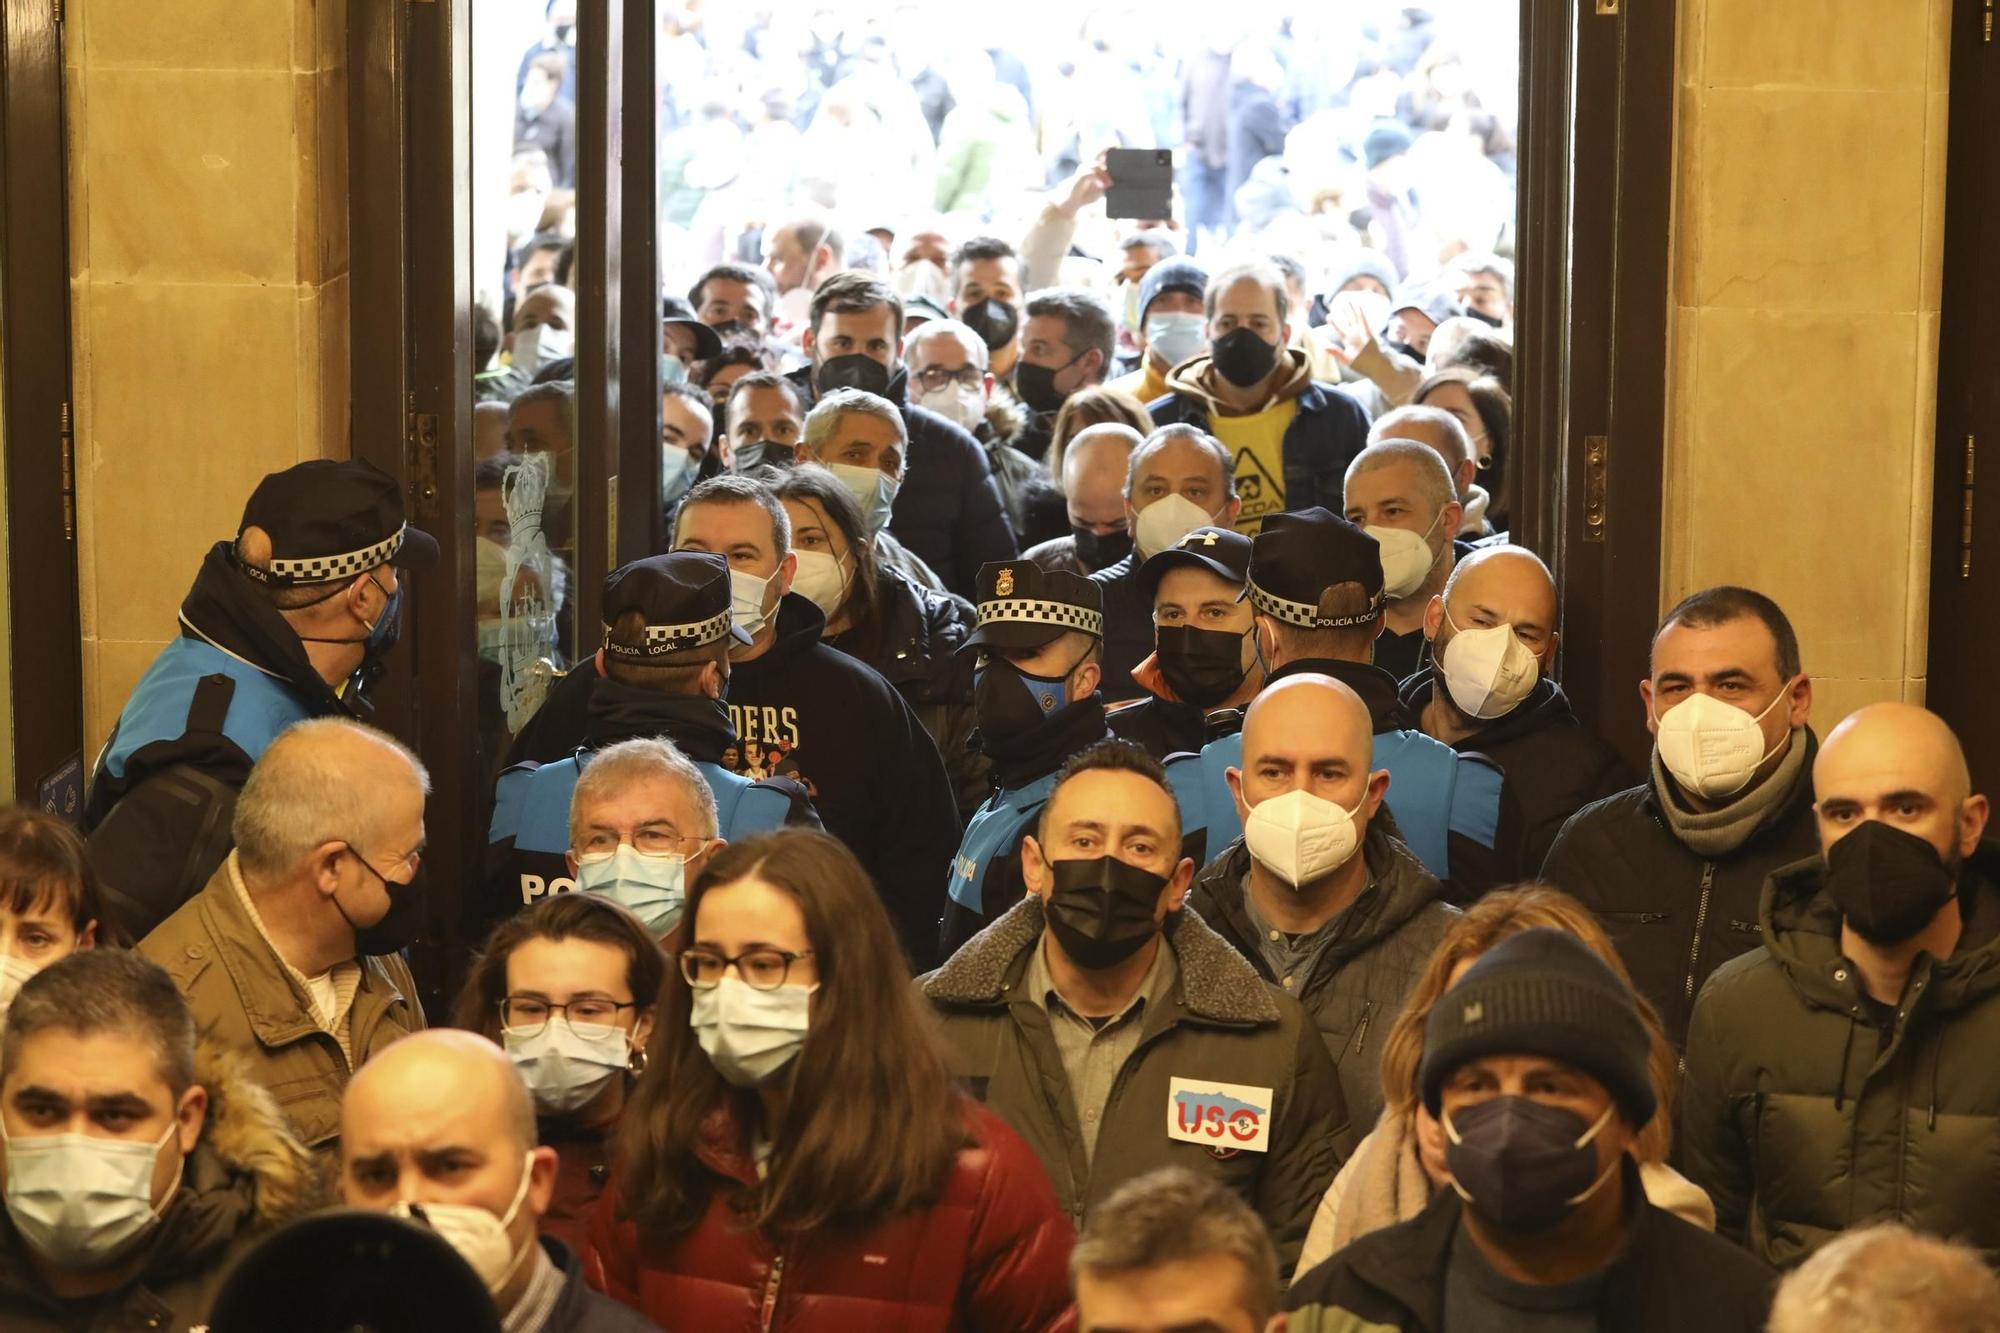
[(796, 1156), (568, 988)]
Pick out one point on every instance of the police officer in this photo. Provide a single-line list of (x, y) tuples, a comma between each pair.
[(1204, 668), (1040, 640), (664, 671), (1315, 590), (289, 621)]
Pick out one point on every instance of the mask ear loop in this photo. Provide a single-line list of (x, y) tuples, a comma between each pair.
[(1606, 1174), (1450, 1132)]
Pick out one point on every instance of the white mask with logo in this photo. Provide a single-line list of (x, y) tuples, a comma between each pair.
[(1407, 558), (1301, 838), (1164, 522), (1488, 671), (1712, 748)]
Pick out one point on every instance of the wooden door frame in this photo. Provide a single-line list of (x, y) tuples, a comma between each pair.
[(1595, 196), (45, 627)]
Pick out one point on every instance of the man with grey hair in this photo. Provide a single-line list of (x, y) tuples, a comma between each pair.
[(1291, 436), (637, 810), (291, 954), (863, 439), (1179, 478), (949, 374), (1069, 341), (1888, 1279), (1172, 1250), (1400, 493), (450, 1096), (1443, 432), (101, 1081)]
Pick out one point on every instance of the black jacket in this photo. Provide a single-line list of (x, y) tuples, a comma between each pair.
[(1675, 916), (1162, 727), (1803, 1119), (579, 1309), (1671, 1277), (916, 650), (165, 784), (1329, 430), (1128, 627), (812, 713), (948, 511), (1554, 766), (1383, 942)]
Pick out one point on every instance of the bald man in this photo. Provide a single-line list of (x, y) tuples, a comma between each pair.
[(290, 954), (441, 1130), (1486, 687), (1320, 894), (1400, 493), (1846, 1073), (1094, 465), (1441, 431)]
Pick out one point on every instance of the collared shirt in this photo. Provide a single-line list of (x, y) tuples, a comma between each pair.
[(538, 1301), (1094, 1050), (330, 995), (1292, 958)]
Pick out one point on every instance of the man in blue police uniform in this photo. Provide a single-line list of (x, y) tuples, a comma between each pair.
[(1040, 639), (289, 621), (664, 672), (1315, 588)]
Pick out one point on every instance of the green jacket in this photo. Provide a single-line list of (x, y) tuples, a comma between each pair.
[(1221, 1023), (240, 994), (1797, 1118)]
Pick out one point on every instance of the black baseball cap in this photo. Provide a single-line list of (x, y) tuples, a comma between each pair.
[(348, 1268), (707, 342), (1022, 605), (1223, 552), (331, 519), (684, 596), (1298, 556)]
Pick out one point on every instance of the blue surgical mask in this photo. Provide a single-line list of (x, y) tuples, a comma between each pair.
[(676, 474), (651, 887), (873, 489), (1176, 337)]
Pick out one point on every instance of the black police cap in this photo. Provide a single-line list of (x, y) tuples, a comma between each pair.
[(1022, 605), (331, 519), (345, 1269), (1298, 556), (1223, 552), (684, 596)]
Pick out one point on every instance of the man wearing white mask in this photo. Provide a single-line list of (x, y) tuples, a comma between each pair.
[(1675, 867), (544, 329), (1400, 493), (1319, 895), (1488, 688), (443, 1133), (138, 1166), (1443, 432), (1180, 478), (861, 438), (950, 373)]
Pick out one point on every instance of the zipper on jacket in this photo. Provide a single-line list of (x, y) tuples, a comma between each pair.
[(767, 1311), (1700, 920), (1361, 1028)]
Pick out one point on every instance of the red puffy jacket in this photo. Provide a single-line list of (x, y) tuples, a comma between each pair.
[(991, 1254)]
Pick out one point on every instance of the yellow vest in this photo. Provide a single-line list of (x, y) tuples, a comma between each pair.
[(1257, 442)]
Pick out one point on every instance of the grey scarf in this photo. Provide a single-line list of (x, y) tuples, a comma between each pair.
[(1716, 833)]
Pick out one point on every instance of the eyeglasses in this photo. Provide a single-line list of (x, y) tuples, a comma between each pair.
[(528, 1015), (934, 378), (761, 969), (602, 843)]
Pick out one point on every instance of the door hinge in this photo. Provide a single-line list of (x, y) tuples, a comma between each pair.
[(423, 462), (1986, 24), (56, 12), (1965, 510), (1607, 7), (68, 475), (1596, 449)]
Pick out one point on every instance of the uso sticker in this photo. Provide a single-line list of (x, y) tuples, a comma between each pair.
[(1224, 1117)]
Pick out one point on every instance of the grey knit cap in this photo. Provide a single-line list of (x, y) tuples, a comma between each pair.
[(1543, 992)]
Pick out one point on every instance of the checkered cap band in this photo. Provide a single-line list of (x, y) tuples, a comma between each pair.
[(1032, 611), (327, 568), (1304, 614), (671, 638)]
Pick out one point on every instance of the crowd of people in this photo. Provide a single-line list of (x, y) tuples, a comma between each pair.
[(1078, 828)]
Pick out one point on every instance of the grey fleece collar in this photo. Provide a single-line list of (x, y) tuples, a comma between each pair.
[(1712, 834), (1216, 983)]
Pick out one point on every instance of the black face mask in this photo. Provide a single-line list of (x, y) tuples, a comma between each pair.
[(1036, 386), (1202, 666), (856, 370), (1243, 357), (1101, 550), (1520, 1164), (995, 321), (1011, 702), (763, 453), (400, 925), (1408, 351), (1101, 910), (1887, 883), (386, 633)]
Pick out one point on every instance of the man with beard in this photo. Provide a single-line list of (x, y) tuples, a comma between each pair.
[(1040, 643), (1843, 1074), (946, 508)]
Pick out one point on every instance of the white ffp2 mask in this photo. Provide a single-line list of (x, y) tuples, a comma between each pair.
[(1407, 558), (1488, 671), (1713, 748), (1300, 837), (480, 1238), (1165, 521)]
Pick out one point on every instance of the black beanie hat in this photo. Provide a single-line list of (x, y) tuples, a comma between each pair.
[(1543, 992)]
